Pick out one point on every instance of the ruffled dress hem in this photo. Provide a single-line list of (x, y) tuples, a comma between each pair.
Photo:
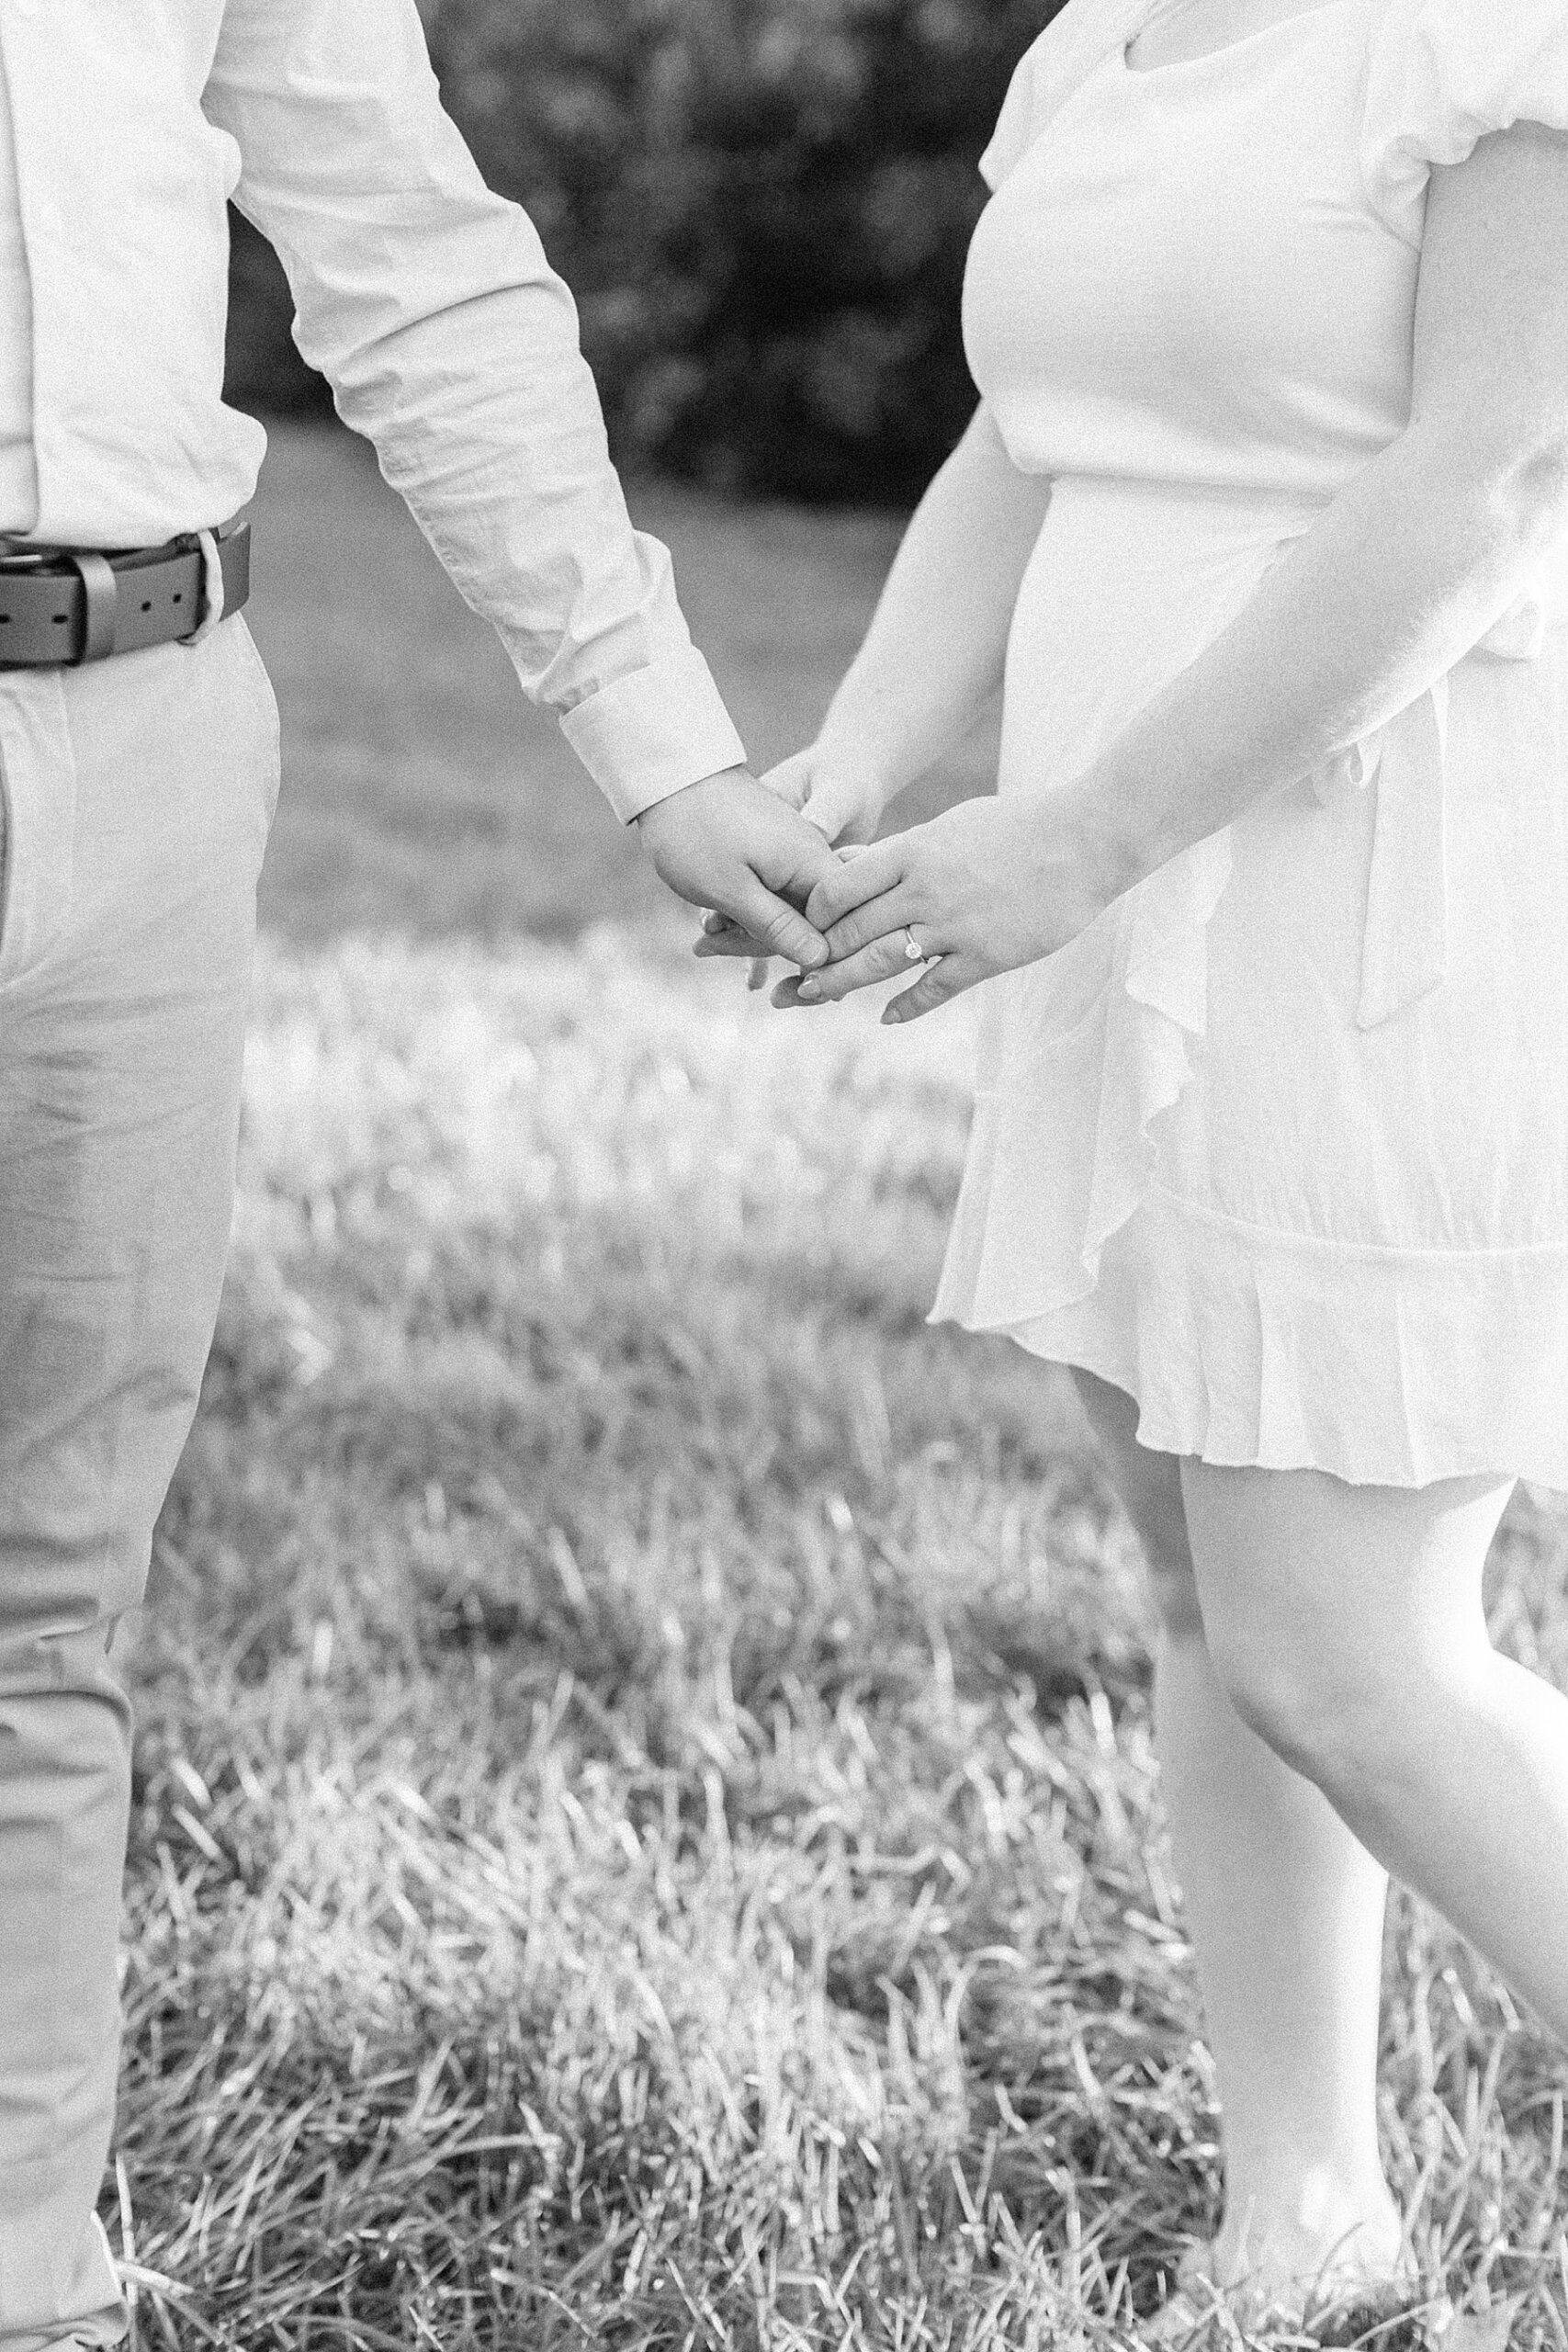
[(1246, 1347)]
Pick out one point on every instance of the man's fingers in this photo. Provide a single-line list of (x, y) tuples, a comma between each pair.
[(788, 996), (853, 881), (728, 939), (938, 984), (773, 926)]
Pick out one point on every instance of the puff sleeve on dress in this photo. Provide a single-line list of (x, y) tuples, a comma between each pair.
[(1440, 74)]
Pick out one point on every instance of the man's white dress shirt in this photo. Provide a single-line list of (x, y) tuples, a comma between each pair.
[(18, 475), (425, 299)]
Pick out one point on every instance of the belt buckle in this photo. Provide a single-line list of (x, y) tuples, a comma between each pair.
[(27, 558)]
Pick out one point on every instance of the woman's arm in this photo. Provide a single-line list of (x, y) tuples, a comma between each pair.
[(933, 654), (1398, 579)]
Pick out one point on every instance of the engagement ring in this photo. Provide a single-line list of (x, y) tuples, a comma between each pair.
[(913, 952)]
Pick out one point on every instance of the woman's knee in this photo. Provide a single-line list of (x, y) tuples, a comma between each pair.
[(1360, 1730), (1316, 1717), (1340, 1623)]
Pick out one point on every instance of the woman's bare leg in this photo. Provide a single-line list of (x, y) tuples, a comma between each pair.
[(1345, 1625), (1285, 1910)]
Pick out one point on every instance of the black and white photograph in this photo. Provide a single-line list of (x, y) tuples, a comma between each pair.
[(783, 1175)]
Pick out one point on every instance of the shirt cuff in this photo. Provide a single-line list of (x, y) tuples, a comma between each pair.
[(653, 732)]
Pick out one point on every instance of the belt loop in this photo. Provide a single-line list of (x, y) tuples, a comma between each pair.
[(211, 590), (100, 593)]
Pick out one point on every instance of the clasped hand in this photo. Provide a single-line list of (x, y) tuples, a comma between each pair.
[(729, 844), (986, 887)]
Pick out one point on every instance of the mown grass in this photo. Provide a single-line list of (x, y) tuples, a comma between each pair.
[(646, 1832)]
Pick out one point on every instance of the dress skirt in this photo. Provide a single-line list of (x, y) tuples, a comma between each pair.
[(1279, 1144)]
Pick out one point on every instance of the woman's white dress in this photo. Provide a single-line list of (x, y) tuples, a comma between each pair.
[(1279, 1145)]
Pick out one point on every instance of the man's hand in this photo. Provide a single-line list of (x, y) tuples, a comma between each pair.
[(729, 844), (836, 789)]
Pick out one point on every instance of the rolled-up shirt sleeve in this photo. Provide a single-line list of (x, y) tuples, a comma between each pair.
[(428, 304)]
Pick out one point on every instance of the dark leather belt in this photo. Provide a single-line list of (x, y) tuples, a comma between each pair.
[(74, 605)]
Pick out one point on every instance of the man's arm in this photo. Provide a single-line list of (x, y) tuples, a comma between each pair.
[(449, 342)]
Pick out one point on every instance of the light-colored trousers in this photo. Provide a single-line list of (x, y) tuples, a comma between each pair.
[(137, 795)]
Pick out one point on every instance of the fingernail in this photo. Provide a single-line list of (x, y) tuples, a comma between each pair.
[(892, 1017), (809, 991)]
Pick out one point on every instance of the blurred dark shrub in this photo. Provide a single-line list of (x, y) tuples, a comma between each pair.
[(762, 207)]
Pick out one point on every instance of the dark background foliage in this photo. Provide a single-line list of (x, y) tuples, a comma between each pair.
[(763, 206)]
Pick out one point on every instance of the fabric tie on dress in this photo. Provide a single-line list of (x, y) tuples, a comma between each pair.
[(1404, 939)]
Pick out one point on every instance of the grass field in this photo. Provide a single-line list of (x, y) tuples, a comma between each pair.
[(645, 1830)]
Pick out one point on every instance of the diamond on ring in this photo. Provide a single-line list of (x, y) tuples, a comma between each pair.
[(913, 952)]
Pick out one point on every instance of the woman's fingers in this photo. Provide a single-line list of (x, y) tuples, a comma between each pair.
[(884, 959), (837, 804), (829, 801), (834, 792), (791, 780), (854, 880), (887, 915), (938, 984)]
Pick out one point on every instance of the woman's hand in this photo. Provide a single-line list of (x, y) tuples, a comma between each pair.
[(834, 788), (986, 887)]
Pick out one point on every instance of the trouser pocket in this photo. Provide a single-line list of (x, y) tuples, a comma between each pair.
[(37, 821), (265, 705)]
